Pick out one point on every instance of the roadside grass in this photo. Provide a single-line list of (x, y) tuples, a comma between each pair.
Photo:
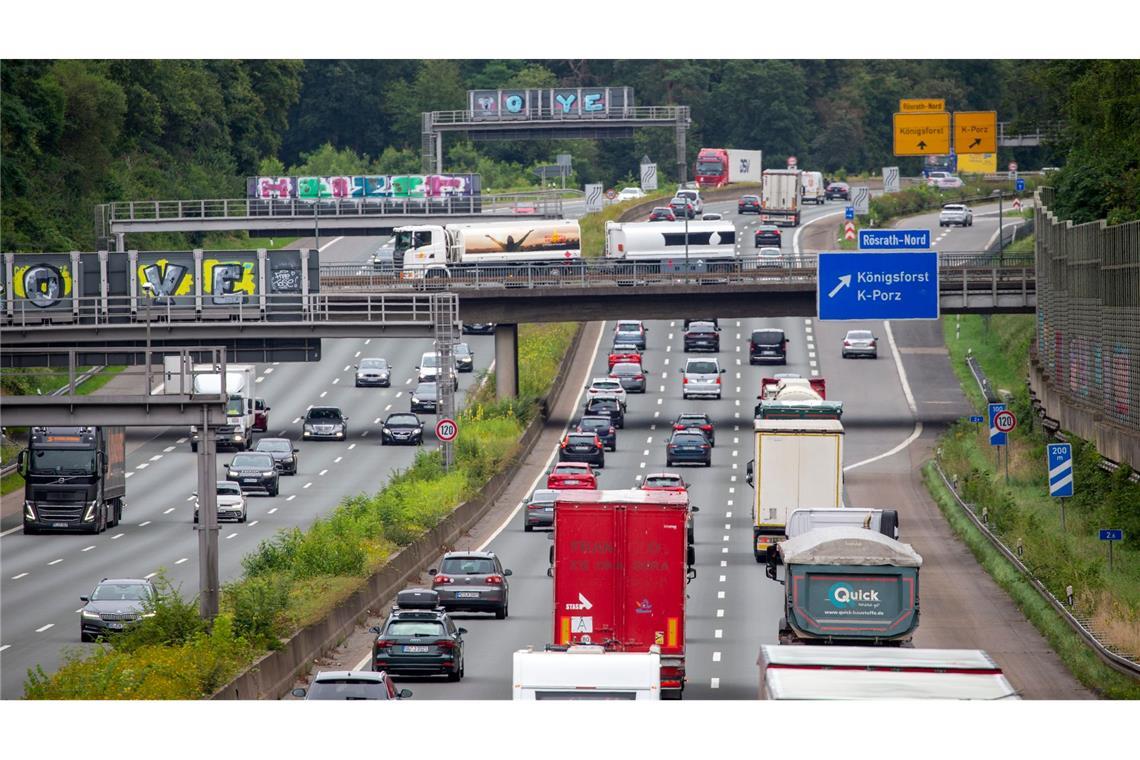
[(594, 225), (1077, 657), (243, 242), (297, 577)]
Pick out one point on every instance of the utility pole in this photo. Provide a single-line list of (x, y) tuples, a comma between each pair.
[(148, 295), (208, 511)]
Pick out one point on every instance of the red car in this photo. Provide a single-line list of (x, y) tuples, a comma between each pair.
[(624, 352), (664, 481), (572, 475), (260, 415)]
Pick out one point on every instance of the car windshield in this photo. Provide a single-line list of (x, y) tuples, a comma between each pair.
[(859, 334), (580, 439), (468, 566), (462, 349), (604, 403), (767, 337), (227, 488), (702, 327), (324, 414), (425, 390), (61, 461), (403, 419), (663, 482), (274, 444), (607, 384), (703, 368), (709, 166), (373, 364), (692, 419), (953, 208), (750, 198), (627, 368), (544, 497), (121, 592), (415, 628), (347, 688), (252, 462), (689, 439), (595, 423), (428, 361)]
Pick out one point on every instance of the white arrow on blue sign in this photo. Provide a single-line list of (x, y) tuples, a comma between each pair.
[(1020, 185), (997, 437), (877, 286), (894, 240), (977, 418), (1111, 535), (849, 212), (1060, 469)]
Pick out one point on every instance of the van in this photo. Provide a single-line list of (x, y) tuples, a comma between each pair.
[(768, 344), (811, 187)]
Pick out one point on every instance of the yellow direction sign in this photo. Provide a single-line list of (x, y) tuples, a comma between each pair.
[(922, 134), (922, 105), (975, 132)]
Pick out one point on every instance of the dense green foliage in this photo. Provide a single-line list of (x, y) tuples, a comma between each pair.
[(78, 133)]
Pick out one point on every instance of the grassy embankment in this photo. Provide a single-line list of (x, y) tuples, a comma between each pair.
[(1022, 509)]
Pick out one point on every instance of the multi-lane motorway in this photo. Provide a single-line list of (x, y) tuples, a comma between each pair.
[(732, 609), (44, 576)]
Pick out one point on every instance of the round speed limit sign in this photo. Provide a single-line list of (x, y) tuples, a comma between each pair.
[(1005, 421), (446, 429)]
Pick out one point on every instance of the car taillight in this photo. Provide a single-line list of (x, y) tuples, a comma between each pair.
[(611, 431), (445, 644), (564, 444), (493, 580), (718, 380), (442, 579), (706, 427), (598, 444), (872, 344), (534, 505), (678, 427), (383, 643), (847, 343), (639, 377), (684, 380)]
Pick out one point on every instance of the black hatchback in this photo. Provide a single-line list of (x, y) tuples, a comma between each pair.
[(422, 641), (602, 427), (608, 407), (402, 428), (583, 447)]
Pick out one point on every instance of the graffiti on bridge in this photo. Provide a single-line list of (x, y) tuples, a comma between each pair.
[(374, 187)]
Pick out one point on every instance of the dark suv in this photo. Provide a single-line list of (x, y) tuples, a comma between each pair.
[(419, 638), (603, 427), (254, 471), (702, 335), (583, 447), (607, 407), (115, 604), (472, 581), (769, 344)]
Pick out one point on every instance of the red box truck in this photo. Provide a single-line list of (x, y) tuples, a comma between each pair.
[(621, 563)]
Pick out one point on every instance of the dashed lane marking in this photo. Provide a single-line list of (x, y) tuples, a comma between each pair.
[(43, 628), (295, 420), (322, 472), (268, 370), (649, 439), (274, 509), (87, 548), (722, 578), (184, 559), (335, 380), (351, 446), (145, 523), (172, 508), (376, 421), (289, 498), (129, 474), (718, 634), (117, 535), (346, 367), (724, 550), (645, 453), (18, 577), (255, 522), (143, 466), (387, 407), (337, 460), (7, 646), (720, 595), (724, 563), (716, 656), (324, 393), (307, 484), (364, 434), (230, 536), (357, 356), (728, 514), (148, 576), (182, 440), (726, 538), (720, 613), (714, 683), (398, 394), (169, 449)]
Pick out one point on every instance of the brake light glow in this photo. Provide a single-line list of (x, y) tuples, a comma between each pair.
[(493, 580), (442, 579), (445, 644), (383, 643)]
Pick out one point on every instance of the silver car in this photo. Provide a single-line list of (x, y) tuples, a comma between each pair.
[(956, 213), (701, 377), (860, 343), (373, 371), (630, 375), (473, 581), (539, 511)]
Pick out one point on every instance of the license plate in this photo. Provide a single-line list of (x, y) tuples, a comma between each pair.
[(548, 509), (416, 649), (466, 594), (249, 480), (115, 626), (571, 482), (59, 525)]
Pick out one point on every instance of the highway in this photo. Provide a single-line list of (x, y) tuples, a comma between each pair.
[(44, 575), (732, 607)]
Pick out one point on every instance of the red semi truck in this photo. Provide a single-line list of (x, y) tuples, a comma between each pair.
[(621, 562)]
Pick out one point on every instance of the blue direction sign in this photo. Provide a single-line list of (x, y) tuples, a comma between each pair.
[(979, 419), (1111, 535), (997, 437), (1060, 469), (894, 240), (849, 212), (1020, 185), (877, 286)]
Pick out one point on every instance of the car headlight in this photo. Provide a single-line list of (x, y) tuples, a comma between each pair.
[(307, 428), (91, 615), (415, 400), (237, 436), (419, 430), (386, 430), (29, 510), (231, 474), (148, 614), (89, 515), (268, 473)]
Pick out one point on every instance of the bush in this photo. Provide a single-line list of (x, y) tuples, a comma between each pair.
[(171, 620), (258, 608)]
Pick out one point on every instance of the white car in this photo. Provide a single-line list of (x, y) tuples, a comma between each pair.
[(701, 377), (956, 213), (630, 194), (694, 197), (606, 386), (944, 180), (428, 369), (231, 502), (770, 257)]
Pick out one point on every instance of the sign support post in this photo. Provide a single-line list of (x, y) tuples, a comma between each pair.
[(1059, 466)]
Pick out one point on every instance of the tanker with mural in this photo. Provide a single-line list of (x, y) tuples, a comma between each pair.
[(433, 251)]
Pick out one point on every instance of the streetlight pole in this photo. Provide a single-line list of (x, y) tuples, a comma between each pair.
[(149, 294), (686, 241)]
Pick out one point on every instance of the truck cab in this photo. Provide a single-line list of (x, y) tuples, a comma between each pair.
[(418, 250)]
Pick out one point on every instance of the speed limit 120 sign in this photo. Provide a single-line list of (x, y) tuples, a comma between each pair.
[(446, 429), (1005, 421)]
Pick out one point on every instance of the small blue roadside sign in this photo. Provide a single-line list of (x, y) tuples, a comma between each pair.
[(1111, 535), (849, 212), (997, 437), (894, 240), (1060, 469), (977, 418), (877, 286), (1020, 185)]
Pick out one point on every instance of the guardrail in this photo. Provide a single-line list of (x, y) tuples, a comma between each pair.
[(1117, 661)]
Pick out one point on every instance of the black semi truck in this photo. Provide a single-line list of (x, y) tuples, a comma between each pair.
[(75, 478)]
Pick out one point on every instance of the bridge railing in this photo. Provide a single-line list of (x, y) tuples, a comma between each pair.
[(970, 271), (533, 203), (617, 113)]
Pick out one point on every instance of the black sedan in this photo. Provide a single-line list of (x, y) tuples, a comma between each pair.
[(401, 428), (254, 471), (768, 234), (425, 398), (464, 358), (285, 457), (583, 447), (748, 204), (602, 427)]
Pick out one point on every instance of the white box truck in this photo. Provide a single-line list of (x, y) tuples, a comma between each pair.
[(811, 188), (586, 672), (780, 197), (798, 464), (183, 378), (745, 165), (429, 251)]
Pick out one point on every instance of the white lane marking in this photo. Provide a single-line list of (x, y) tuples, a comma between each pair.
[(714, 683), (652, 427), (55, 562), (288, 498), (169, 449), (813, 363), (172, 508), (728, 504), (188, 498), (398, 394), (364, 434), (281, 433), (720, 595), (731, 489), (376, 421), (645, 453), (337, 460), (720, 613), (18, 577), (145, 523), (909, 401), (718, 633), (88, 548), (722, 578), (716, 656), (334, 382), (815, 373), (117, 535), (666, 360), (267, 371), (345, 368), (322, 472), (185, 559), (324, 393), (274, 509), (259, 380), (811, 354), (182, 440), (724, 550), (295, 420), (387, 407), (41, 629), (230, 536), (366, 342), (351, 446), (670, 336), (7, 646), (728, 514), (724, 563), (357, 356), (12, 530), (656, 415), (662, 389), (642, 466), (808, 331), (728, 526), (129, 474), (307, 484), (143, 466), (668, 348), (407, 382), (659, 401), (326, 245), (726, 538), (737, 375), (649, 439), (148, 576), (255, 522)]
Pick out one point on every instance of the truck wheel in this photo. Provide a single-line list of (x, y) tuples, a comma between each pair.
[(889, 523), (692, 535)]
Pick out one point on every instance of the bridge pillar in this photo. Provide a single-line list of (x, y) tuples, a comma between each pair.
[(506, 361), (120, 242)]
